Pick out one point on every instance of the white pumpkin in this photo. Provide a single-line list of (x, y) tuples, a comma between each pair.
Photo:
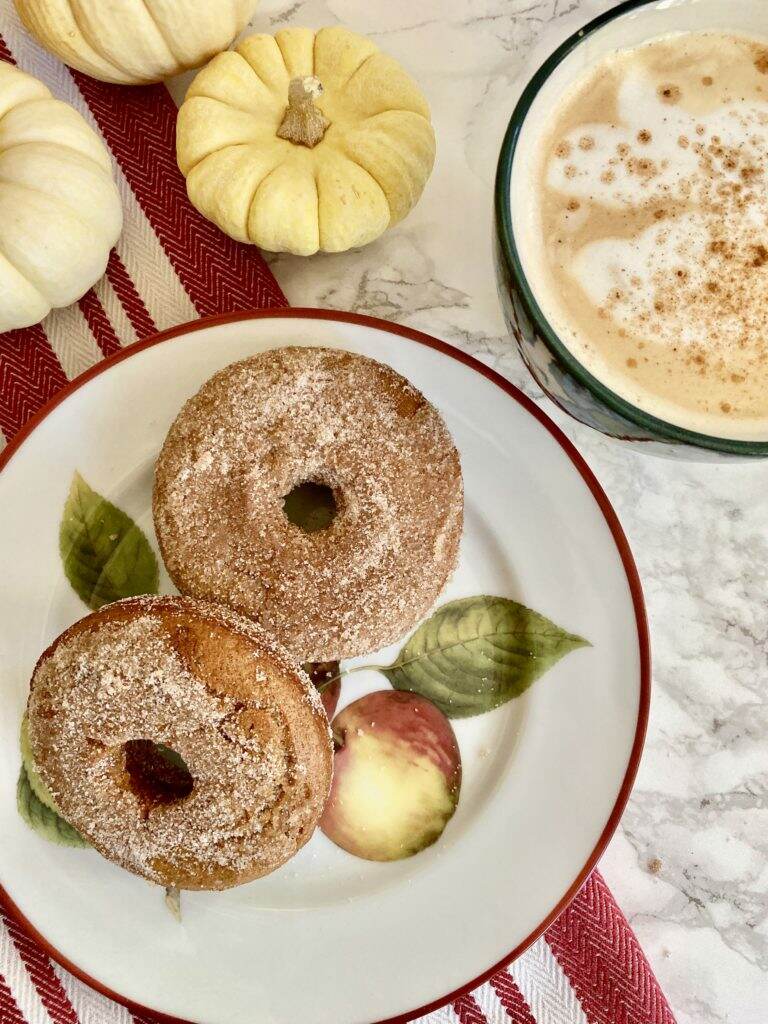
[(305, 141), (60, 211), (133, 42)]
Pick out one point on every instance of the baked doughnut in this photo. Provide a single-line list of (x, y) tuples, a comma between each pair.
[(295, 416), (253, 754)]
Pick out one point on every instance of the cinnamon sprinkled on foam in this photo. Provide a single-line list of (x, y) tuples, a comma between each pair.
[(658, 277)]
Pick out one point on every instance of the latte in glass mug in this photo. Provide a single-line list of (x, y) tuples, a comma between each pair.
[(647, 243)]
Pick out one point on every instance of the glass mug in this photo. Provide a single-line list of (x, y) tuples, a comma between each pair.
[(558, 372)]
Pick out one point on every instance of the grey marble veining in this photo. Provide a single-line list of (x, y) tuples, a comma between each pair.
[(690, 862)]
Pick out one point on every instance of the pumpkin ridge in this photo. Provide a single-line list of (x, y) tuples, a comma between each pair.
[(256, 74), (343, 85), (228, 104), (92, 45), (258, 138), (224, 148), (282, 54), (393, 110), (344, 152), (73, 54), (25, 103), (31, 281), (317, 188), (55, 198), (24, 277), (256, 194), (31, 99), (58, 145), (183, 65)]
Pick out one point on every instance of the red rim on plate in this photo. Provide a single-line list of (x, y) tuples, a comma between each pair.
[(619, 537)]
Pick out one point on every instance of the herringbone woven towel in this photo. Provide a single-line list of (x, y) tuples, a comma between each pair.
[(171, 266)]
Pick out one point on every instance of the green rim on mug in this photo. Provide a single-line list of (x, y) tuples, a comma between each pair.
[(661, 428)]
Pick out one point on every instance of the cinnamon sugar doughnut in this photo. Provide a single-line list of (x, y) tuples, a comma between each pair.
[(288, 416), (254, 742)]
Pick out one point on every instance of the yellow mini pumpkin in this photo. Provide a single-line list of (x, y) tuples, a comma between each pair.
[(60, 211), (133, 42), (305, 141)]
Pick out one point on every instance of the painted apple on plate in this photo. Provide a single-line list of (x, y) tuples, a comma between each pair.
[(396, 776)]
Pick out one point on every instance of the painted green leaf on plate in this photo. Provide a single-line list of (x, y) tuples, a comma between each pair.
[(37, 785), (35, 803), (45, 821), (105, 554), (475, 654)]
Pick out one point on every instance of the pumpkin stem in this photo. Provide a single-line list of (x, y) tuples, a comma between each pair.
[(303, 124)]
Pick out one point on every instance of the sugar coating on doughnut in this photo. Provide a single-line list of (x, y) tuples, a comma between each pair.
[(287, 416), (216, 689)]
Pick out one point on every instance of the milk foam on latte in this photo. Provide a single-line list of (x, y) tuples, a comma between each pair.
[(651, 215)]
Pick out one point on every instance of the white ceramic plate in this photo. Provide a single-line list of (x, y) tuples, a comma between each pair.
[(331, 938)]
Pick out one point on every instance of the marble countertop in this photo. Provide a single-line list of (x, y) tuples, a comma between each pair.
[(689, 864)]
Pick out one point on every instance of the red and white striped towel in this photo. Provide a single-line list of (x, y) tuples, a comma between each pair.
[(171, 266)]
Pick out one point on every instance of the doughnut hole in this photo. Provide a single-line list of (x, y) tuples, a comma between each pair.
[(311, 505), (155, 774)]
